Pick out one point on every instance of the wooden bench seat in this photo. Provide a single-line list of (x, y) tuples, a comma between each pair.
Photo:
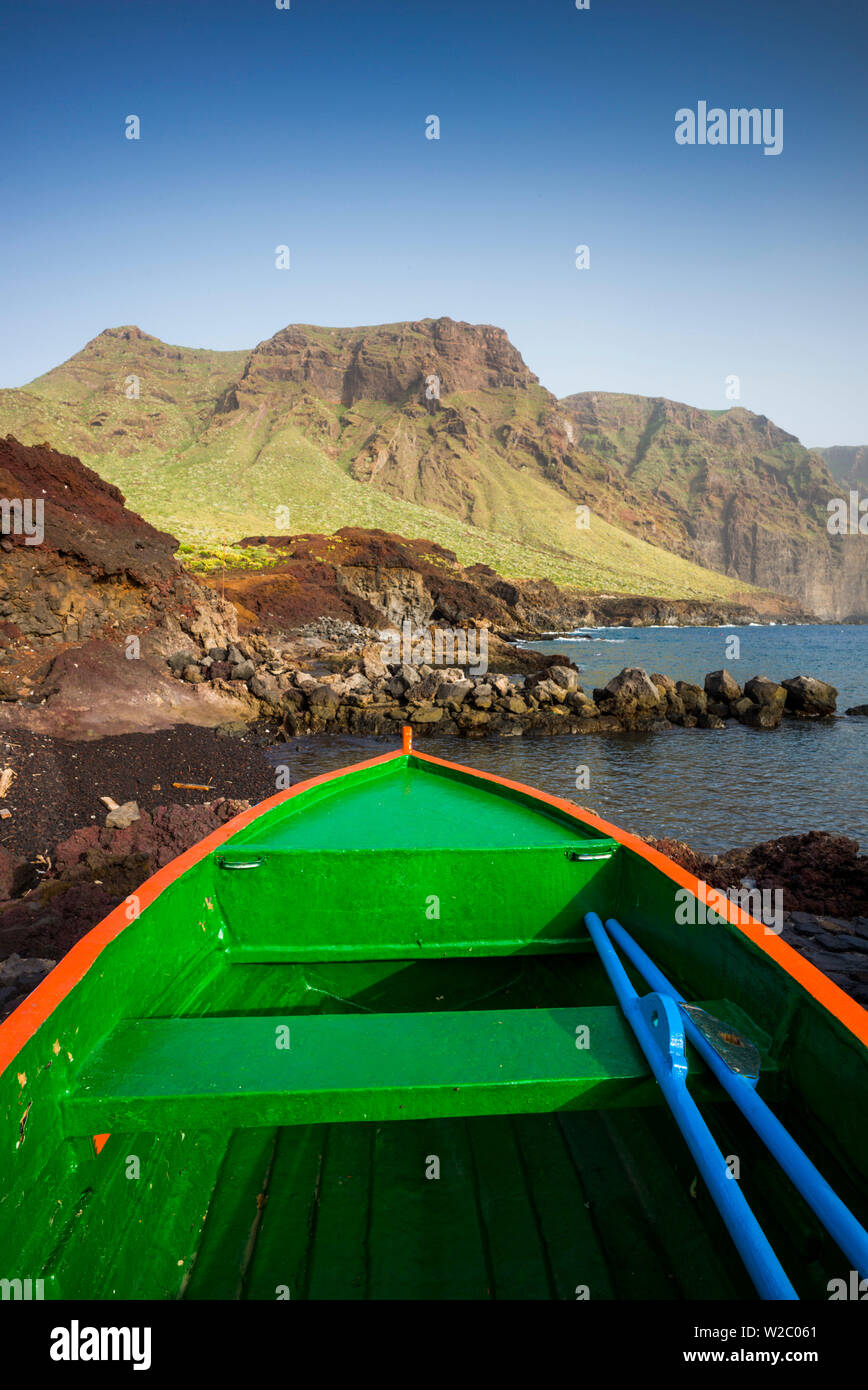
[(202, 1073)]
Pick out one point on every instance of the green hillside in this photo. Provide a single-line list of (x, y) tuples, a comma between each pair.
[(216, 444)]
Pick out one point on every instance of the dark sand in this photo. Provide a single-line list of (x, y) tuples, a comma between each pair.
[(59, 783)]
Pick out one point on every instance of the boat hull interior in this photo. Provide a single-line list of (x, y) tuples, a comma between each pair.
[(340, 1054)]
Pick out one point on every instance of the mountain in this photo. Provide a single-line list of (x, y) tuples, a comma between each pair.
[(319, 428), (297, 436), (849, 462)]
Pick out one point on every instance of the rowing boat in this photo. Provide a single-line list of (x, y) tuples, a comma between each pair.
[(408, 1030)]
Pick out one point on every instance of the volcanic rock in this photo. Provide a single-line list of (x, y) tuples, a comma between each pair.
[(722, 686), (634, 685), (693, 697), (808, 698), (766, 692)]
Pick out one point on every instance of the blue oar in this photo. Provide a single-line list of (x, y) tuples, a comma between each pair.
[(838, 1220), (659, 1029)]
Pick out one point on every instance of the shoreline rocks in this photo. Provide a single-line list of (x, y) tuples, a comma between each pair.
[(322, 687)]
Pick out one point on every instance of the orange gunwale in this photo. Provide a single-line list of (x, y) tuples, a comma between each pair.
[(33, 1011)]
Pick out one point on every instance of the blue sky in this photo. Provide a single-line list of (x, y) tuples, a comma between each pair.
[(261, 127)]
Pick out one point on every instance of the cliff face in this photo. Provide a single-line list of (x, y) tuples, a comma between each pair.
[(731, 491), (95, 576), (93, 564), (828, 576), (848, 461), (388, 363)]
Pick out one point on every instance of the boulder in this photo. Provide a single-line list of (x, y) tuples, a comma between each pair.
[(564, 676), (426, 714), (453, 692), (766, 692), (193, 675), (373, 664), (265, 687), (581, 704), (859, 710), (762, 716), (633, 684), (693, 697), (808, 698), (741, 708), (721, 686), (24, 971), (664, 683), (549, 692), (179, 660), (472, 718), (358, 684), (426, 689), (323, 702)]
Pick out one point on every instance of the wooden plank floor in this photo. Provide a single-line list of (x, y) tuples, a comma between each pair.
[(524, 1207)]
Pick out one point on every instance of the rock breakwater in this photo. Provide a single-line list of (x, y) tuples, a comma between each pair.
[(343, 684)]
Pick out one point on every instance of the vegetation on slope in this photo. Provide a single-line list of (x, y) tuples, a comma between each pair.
[(322, 428)]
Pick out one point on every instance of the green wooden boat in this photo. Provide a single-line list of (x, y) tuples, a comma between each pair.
[(362, 1042)]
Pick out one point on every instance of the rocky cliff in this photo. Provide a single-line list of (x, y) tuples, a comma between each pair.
[(730, 490), (486, 469), (391, 362), (91, 597), (848, 462), (94, 563)]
